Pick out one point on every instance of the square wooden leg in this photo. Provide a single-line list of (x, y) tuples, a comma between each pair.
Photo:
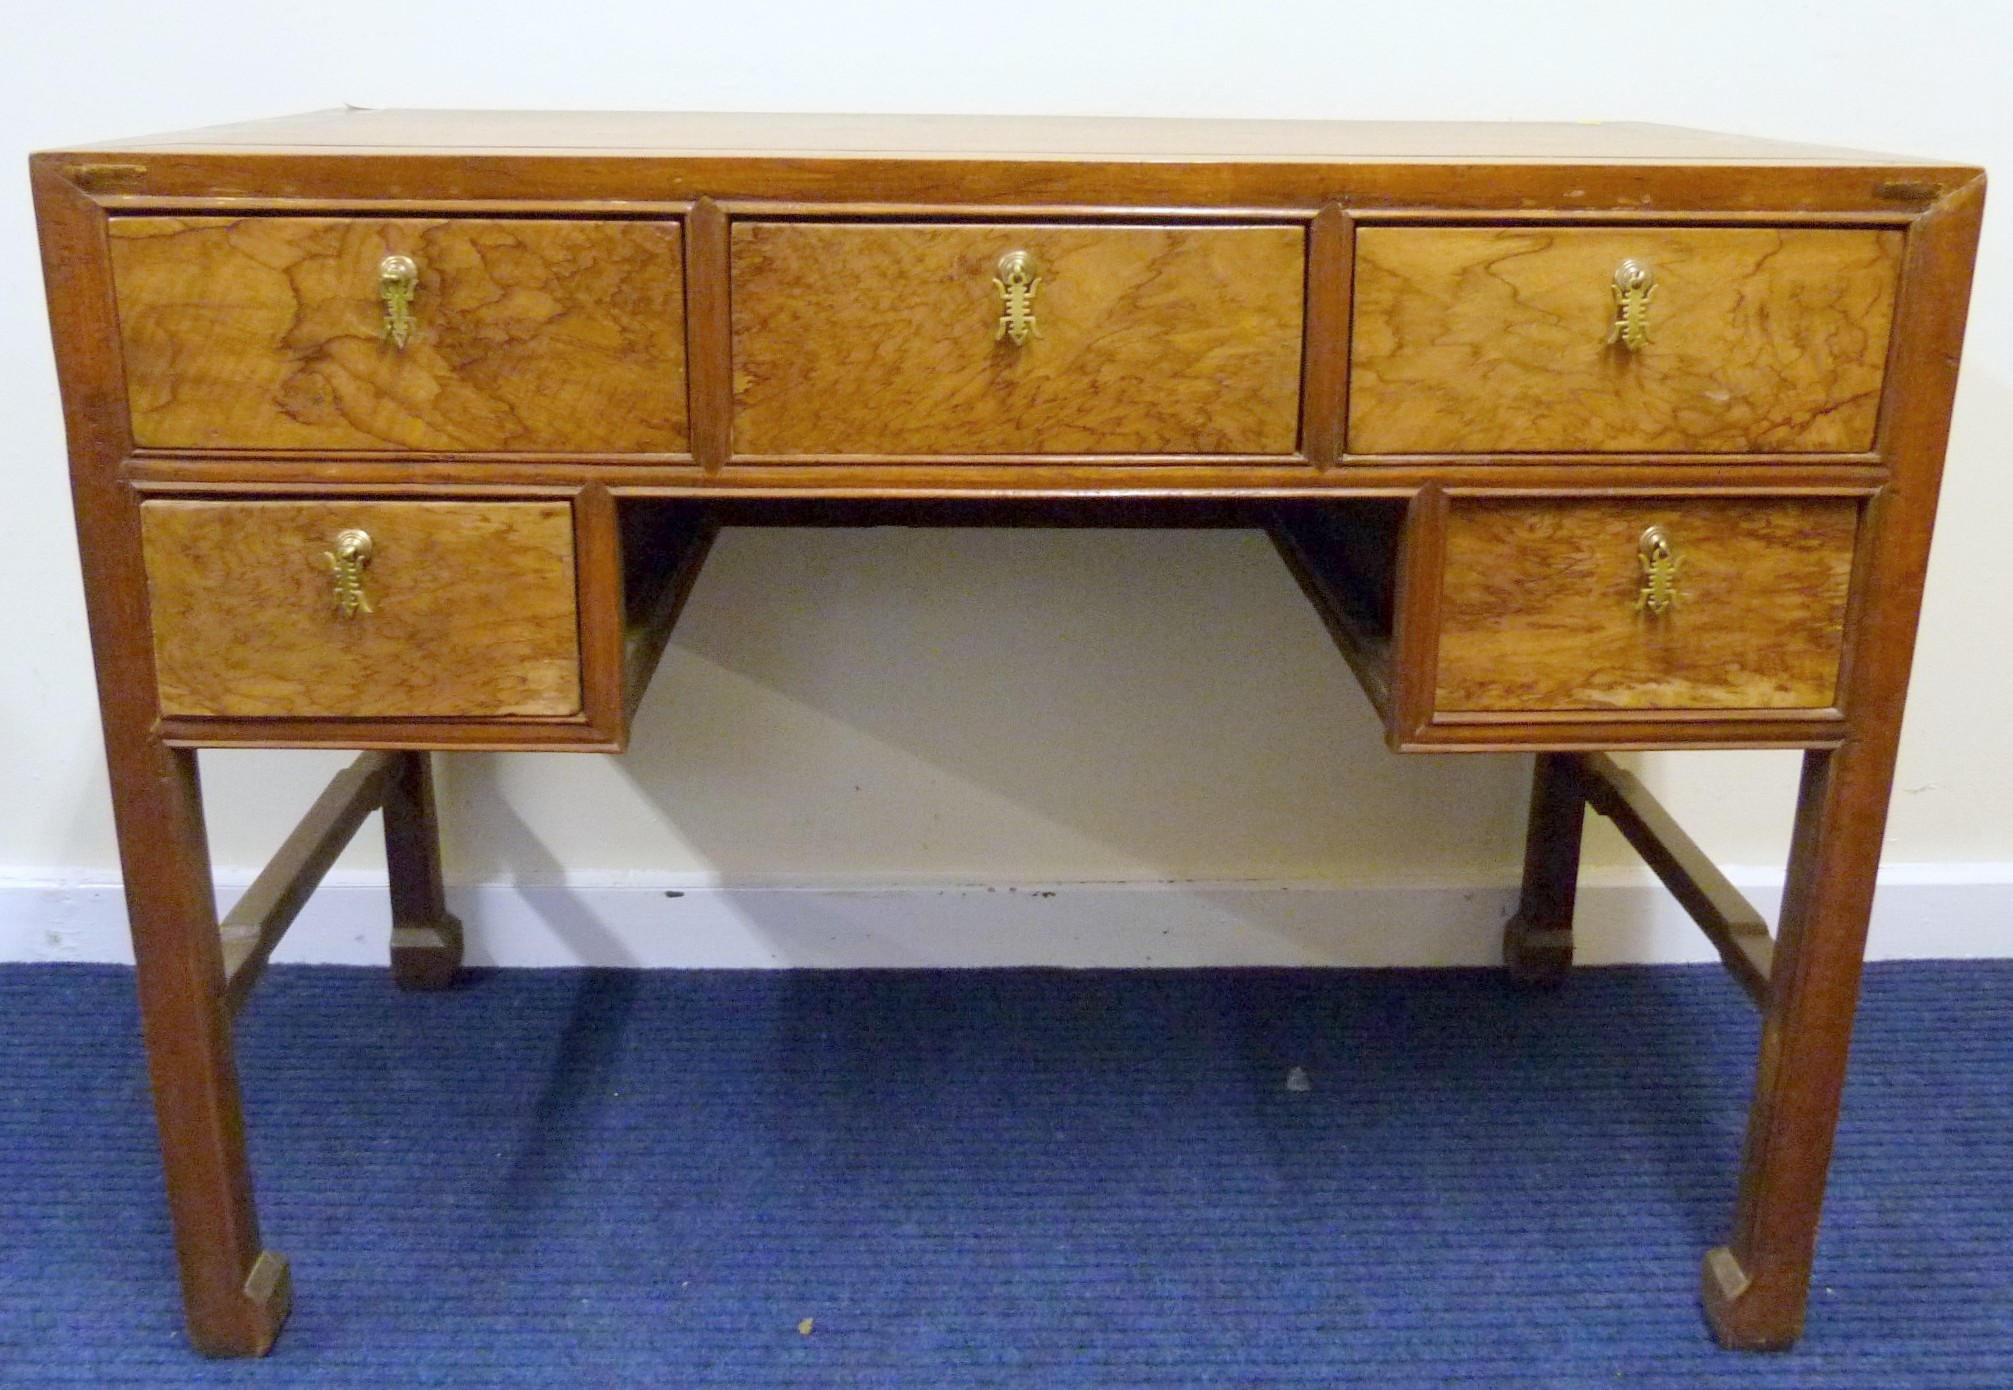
[(1756, 1285), (426, 939), (1538, 939), (235, 1292)]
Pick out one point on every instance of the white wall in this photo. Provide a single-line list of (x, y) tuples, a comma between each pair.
[(1002, 708)]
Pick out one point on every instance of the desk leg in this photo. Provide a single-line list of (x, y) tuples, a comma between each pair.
[(234, 1291), (1538, 940), (1755, 1285), (425, 936)]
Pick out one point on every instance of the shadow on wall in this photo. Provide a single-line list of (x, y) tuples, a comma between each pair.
[(992, 707), (1166, 700)]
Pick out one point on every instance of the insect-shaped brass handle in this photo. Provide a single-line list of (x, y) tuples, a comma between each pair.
[(1660, 566), (1635, 285), (397, 282), (346, 562), (1019, 277)]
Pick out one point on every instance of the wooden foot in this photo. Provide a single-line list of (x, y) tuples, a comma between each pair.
[(1538, 939), (253, 1323), (426, 957), (1537, 955), (1741, 1318), (426, 939)]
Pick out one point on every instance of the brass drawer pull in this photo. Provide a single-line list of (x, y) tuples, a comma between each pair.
[(346, 562), (1019, 277), (1660, 565), (1635, 286), (397, 282)]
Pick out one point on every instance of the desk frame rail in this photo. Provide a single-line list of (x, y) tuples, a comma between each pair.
[(426, 939), (1538, 939)]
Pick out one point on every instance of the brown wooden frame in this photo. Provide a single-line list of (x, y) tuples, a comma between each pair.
[(191, 974)]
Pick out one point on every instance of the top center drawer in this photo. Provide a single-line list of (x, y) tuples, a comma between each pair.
[(957, 339)]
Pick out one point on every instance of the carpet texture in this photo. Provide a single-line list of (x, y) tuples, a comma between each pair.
[(1017, 1178)]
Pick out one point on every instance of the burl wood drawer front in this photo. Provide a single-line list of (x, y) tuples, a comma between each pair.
[(457, 610), (878, 339), (1552, 604), (523, 335), (1497, 339)]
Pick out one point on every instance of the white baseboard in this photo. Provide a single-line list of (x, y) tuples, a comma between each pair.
[(1922, 911)]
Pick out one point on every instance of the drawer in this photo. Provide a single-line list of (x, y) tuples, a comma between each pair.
[(884, 339), (1542, 604), (524, 335), (459, 609), (1496, 339)]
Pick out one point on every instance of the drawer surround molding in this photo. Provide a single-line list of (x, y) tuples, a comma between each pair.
[(1368, 534)]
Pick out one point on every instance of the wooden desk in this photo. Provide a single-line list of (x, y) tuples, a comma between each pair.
[(408, 431)]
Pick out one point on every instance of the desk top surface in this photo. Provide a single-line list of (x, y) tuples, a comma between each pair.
[(805, 136)]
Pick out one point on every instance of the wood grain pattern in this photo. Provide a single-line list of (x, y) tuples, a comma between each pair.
[(979, 476), (266, 332), (1331, 262), (1053, 139), (474, 610), (865, 339), (597, 562), (1416, 613), (707, 335), (1493, 339), (1537, 609), (595, 163)]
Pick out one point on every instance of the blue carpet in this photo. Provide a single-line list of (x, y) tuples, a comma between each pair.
[(1016, 1178)]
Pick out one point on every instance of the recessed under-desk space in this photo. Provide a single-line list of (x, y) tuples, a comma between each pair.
[(1344, 552), (410, 432)]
